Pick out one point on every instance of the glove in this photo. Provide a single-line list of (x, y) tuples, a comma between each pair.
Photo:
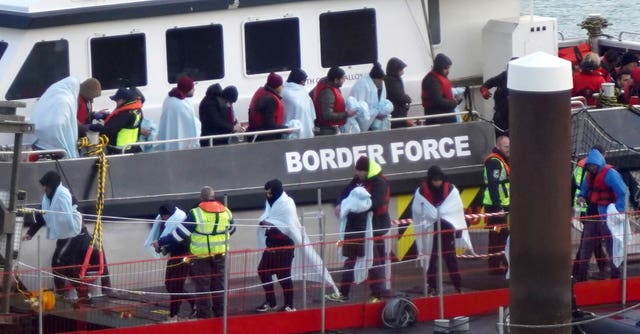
[(486, 94)]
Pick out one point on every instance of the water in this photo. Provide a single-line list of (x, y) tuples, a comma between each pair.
[(621, 15)]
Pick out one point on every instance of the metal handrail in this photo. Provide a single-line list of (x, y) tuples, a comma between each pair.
[(52, 151), (210, 138), (423, 117), (628, 33)]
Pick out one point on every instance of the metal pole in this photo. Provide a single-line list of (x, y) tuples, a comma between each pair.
[(9, 223), (323, 289), (440, 281), (424, 261), (40, 290), (304, 262), (625, 237), (501, 320), (225, 301)]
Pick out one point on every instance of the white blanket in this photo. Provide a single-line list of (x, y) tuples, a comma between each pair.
[(170, 226), (352, 125), (178, 120), (54, 118), (618, 226), (307, 264), (359, 200), (61, 216), (298, 106), (425, 215), (365, 90)]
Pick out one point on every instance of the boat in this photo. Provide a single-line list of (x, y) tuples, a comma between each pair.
[(89, 38), (136, 183)]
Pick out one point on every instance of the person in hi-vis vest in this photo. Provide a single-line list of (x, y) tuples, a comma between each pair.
[(209, 226), (496, 199)]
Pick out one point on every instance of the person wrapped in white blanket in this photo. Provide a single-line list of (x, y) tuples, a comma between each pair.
[(438, 199), (370, 89), (363, 209), (288, 253)]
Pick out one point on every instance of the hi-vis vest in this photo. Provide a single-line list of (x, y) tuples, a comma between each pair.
[(503, 182), (211, 232), (129, 135), (578, 176)]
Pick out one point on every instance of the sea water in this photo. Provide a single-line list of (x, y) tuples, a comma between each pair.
[(622, 15)]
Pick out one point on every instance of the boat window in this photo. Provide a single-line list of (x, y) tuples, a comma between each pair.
[(195, 51), (348, 37), (47, 63), (3, 48), (119, 61), (272, 45), (434, 21)]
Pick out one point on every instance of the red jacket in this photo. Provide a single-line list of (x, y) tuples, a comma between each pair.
[(587, 83), (338, 107), (257, 119)]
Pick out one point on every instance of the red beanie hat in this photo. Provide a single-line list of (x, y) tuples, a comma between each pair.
[(185, 84), (274, 81), (362, 163)]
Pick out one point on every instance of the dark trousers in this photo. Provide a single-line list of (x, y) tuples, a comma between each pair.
[(448, 257), (497, 238), (207, 274), (174, 278), (376, 273), (592, 236), (277, 262), (66, 262)]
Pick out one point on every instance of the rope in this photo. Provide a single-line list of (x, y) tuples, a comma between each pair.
[(407, 221), (99, 151)]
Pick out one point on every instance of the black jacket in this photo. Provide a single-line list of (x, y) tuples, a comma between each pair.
[(216, 116), (501, 99)]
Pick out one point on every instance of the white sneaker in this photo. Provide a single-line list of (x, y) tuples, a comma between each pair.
[(287, 308), (171, 319)]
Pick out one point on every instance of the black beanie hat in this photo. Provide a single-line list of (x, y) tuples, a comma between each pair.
[(214, 90), (376, 71), (335, 73), (51, 179), (435, 173), (167, 208), (297, 75), (441, 62), (276, 189), (230, 93)]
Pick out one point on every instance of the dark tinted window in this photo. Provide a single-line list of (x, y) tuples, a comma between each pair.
[(348, 38), (272, 46), (119, 61), (3, 48), (47, 63), (434, 21), (195, 51)]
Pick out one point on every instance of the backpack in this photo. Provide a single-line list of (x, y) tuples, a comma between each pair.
[(399, 312)]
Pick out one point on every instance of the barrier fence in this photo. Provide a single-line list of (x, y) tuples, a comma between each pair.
[(136, 294)]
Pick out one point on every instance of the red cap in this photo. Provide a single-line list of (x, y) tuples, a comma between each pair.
[(274, 81), (185, 84), (362, 163)]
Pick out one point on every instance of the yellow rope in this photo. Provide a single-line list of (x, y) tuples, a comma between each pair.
[(99, 151)]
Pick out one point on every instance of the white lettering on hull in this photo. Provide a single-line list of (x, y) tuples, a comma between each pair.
[(345, 157)]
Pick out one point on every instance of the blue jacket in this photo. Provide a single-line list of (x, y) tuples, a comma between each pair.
[(613, 179)]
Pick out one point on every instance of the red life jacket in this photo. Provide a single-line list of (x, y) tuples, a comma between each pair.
[(598, 192), (585, 84), (426, 193), (256, 121), (446, 89), (383, 209), (338, 106), (83, 111)]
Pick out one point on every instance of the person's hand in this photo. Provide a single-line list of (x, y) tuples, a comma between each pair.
[(145, 132), (351, 113), (238, 128), (381, 117), (339, 243), (156, 246), (486, 94), (337, 210), (96, 127), (580, 200), (26, 237)]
